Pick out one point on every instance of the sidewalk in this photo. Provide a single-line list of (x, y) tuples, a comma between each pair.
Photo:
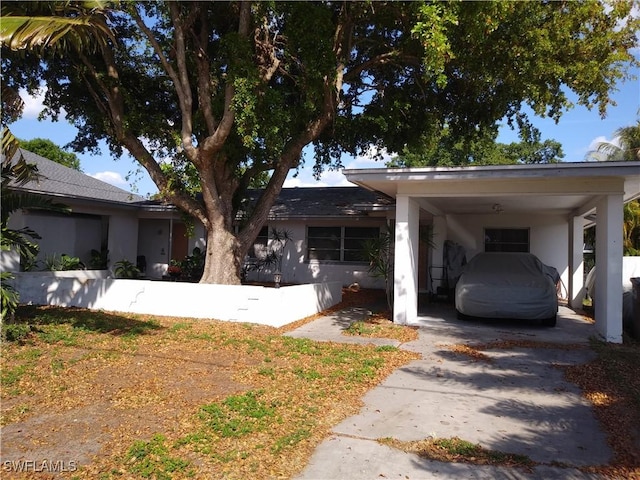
[(518, 403)]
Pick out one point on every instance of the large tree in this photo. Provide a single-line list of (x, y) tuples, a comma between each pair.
[(232, 90)]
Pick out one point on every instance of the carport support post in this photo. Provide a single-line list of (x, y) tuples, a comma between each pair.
[(576, 262), (608, 294), (405, 275)]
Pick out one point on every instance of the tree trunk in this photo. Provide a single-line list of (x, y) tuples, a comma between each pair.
[(222, 263)]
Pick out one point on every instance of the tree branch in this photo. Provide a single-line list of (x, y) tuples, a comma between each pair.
[(293, 150), (214, 142), (180, 79)]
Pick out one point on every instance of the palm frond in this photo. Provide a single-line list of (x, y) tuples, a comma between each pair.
[(15, 171), (85, 29), (10, 145), (19, 241), (12, 202)]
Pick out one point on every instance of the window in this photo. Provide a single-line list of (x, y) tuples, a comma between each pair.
[(259, 248), (338, 244), (506, 240)]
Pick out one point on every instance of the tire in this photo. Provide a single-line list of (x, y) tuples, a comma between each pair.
[(549, 322)]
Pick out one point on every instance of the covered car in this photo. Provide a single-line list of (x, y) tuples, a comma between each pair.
[(508, 285)]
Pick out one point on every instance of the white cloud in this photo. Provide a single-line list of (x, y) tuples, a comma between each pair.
[(602, 139), (112, 178), (335, 178), (32, 105)]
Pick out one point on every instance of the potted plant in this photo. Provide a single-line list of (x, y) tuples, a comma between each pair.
[(174, 270), (126, 269)]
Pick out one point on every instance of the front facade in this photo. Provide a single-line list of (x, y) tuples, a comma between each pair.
[(542, 209), (323, 223)]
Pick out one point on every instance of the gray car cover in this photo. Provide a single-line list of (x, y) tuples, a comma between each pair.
[(507, 285)]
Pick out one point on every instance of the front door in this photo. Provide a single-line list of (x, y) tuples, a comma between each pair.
[(179, 242)]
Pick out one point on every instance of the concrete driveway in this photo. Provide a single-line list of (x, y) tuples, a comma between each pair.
[(517, 403)]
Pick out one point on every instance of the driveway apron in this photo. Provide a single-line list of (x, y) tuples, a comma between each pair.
[(516, 402)]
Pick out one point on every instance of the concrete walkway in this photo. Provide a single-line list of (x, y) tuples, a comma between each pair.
[(517, 403)]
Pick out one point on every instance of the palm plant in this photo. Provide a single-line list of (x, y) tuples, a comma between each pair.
[(625, 146), (378, 253), (55, 27), (18, 173), (631, 228)]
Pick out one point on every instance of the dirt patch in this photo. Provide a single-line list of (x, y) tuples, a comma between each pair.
[(85, 400)]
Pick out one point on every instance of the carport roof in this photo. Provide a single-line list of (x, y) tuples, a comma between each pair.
[(561, 188)]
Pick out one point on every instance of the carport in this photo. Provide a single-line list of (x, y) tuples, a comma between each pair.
[(554, 203)]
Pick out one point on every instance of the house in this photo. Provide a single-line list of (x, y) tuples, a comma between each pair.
[(324, 224), (542, 209), (103, 218), (327, 226)]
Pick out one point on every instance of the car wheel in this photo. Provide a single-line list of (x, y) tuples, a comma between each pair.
[(550, 322)]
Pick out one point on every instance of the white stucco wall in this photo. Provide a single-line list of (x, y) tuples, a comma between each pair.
[(123, 237), (267, 306), (297, 269), (60, 234), (153, 243)]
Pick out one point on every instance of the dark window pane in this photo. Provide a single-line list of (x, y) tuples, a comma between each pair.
[(324, 232), (324, 254), (361, 232), (354, 256), (259, 248), (506, 240)]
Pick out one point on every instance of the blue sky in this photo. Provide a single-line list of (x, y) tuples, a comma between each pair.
[(578, 130)]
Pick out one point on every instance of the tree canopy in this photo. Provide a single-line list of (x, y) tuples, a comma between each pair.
[(230, 91), (46, 148), (447, 151)]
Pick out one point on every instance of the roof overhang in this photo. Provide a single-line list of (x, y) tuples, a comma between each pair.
[(561, 188)]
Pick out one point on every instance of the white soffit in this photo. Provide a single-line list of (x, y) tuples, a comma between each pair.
[(564, 188)]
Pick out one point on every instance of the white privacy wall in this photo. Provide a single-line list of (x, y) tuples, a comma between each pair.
[(240, 303)]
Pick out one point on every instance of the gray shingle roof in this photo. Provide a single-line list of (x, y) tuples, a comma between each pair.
[(60, 181), (324, 202), (320, 202)]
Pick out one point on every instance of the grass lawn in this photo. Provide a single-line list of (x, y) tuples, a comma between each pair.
[(110, 396)]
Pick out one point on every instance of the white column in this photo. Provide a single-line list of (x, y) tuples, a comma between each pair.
[(576, 262), (405, 283), (608, 294)]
